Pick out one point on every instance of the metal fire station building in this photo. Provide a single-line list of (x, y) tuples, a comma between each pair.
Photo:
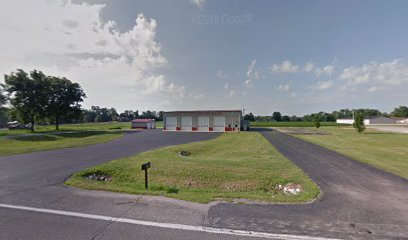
[(203, 121)]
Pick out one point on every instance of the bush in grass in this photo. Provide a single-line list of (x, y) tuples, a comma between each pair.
[(316, 121), (172, 189), (359, 122)]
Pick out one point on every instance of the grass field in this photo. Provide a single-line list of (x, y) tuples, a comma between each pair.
[(291, 124), (387, 151), (231, 166), (69, 135), (21, 143)]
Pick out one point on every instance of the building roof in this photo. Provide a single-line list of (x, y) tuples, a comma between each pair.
[(143, 120)]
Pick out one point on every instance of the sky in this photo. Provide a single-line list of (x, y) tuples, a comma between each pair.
[(296, 57)]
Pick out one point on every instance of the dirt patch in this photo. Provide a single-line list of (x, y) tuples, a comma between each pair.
[(99, 177), (302, 131)]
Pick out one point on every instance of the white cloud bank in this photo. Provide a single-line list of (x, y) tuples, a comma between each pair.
[(198, 3), (252, 74), (392, 73), (67, 39), (284, 67)]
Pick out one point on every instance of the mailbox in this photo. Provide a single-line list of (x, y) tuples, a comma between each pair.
[(146, 166)]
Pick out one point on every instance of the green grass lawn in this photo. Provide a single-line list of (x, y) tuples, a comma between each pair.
[(388, 151), (23, 143), (291, 124), (234, 165), (69, 135)]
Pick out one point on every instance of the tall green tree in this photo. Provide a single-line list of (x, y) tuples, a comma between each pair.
[(277, 116), (401, 111), (2, 96), (316, 120), (359, 122), (249, 117), (64, 99), (3, 110), (28, 94)]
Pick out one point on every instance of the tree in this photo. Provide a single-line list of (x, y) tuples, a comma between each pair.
[(149, 115), (249, 117), (64, 99), (28, 94), (286, 118), (401, 111), (359, 122), (277, 116), (2, 96), (316, 120), (113, 114), (88, 116), (126, 116)]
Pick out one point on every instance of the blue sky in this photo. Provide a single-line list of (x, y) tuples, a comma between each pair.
[(295, 57)]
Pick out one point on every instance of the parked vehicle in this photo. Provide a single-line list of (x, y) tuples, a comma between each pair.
[(17, 125)]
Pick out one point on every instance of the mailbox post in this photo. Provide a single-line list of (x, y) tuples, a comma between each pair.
[(146, 166)]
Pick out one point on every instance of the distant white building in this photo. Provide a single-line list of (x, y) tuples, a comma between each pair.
[(403, 121), (371, 120)]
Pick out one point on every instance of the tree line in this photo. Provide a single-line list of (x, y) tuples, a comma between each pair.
[(401, 112), (98, 114)]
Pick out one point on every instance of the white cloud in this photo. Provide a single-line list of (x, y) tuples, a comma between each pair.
[(326, 70), (374, 89), (308, 67), (252, 74), (231, 93), (198, 3), (284, 67), (323, 85), (283, 87), (222, 74), (392, 73), (249, 83), (72, 40), (226, 85)]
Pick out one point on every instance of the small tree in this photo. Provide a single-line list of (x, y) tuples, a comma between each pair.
[(249, 117), (277, 116), (359, 122), (316, 120)]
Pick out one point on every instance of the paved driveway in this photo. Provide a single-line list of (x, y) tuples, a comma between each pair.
[(358, 201)]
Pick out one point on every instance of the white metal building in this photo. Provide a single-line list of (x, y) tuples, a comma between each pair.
[(203, 121), (372, 120), (144, 123)]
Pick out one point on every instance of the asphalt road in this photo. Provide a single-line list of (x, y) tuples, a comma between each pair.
[(358, 201)]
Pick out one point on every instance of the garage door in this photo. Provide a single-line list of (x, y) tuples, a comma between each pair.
[(171, 123), (186, 123), (203, 124), (219, 124)]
